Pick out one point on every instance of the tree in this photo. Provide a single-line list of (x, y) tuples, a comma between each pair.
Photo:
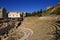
[(39, 13), (28, 14)]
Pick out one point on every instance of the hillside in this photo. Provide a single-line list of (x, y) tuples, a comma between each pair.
[(54, 10)]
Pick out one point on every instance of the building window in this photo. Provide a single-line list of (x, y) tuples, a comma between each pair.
[(13, 15), (16, 15)]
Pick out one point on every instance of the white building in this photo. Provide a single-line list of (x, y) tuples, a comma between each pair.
[(14, 14)]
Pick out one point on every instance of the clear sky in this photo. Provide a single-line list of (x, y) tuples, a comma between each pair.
[(27, 5)]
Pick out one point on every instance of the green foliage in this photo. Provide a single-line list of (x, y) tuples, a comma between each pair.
[(49, 10), (44, 14), (57, 11), (28, 14), (38, 13)]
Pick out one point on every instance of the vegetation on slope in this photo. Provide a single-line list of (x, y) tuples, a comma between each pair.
[(54, 10)]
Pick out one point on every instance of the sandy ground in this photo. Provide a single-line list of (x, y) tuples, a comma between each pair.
[(40, 28)]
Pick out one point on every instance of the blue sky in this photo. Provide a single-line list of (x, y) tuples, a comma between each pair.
[(27, 5)]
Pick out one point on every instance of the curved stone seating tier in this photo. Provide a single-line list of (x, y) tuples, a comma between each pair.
[(20, 34)]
